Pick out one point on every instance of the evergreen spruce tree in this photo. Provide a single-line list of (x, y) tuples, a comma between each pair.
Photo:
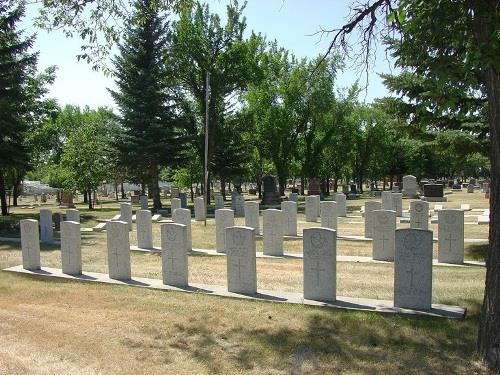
[(17, 68), (151, 136)]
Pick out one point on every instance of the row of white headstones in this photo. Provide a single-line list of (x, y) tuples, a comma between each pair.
[(412, 264)]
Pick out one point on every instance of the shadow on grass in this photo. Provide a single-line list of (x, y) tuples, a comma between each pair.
[(477, 251)]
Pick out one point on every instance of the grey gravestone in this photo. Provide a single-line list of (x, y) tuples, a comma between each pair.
[(224, 218), (73, 215), (183, 216), (174, 193), (118, 250), (30, 244), (241, 260), (413, 269), (143, 201), (397, 203), (387, 202), (183, 198), (370, 206), (126, 214), (340, 198), (289, 210), (293, 197), (272, 229), (219, 202), (311, 210), (384, 227), (410, 186), (239, 206), (329, 214), (451, 236), (144, 229), (199, 209), (71, 248), (46, 230), (174, 259), (419, 215), (320, 263), (175, 203), (252, 216)]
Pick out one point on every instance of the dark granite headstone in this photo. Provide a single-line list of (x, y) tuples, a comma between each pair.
[(57, 217), (252, 191), (433, 190), (314, 187), (295, 190), (271, 196), (183, 197)]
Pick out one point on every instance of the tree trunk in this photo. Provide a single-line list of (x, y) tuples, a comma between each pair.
[(116, 190), (90, 202), (223, 187), (15, 193), (122, 190), (3, 197), (85, 197), (155, 188), (302, 185), (489, 326), (282, 184), (259, 187), (335, 184)]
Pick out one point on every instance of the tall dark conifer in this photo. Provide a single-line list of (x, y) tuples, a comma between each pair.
[(17, 67), (149, 116)]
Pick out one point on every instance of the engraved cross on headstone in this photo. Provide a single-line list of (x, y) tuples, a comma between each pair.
[(239, 266), (450, 239), (317, 269), (383, 239)]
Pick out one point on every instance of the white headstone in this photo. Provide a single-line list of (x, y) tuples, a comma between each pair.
[(183, 216), (419, 215), (199, 209), (174, 259), (252, 216), (126, 214), (329, 214), (413, 269), (340, 198), (451, 236), (144, 229), (73, 214), (289, 209), (370, 206), (311, 209), (318, 203), (397, 203), (46, 230), (273, 232), (71, 248), (387, 200), (30, 244), (384, 226), (175, 203), (409, 186), (241, 262), (118, 250), (219, 202), (143, 201), (320, 263), (224, 218)]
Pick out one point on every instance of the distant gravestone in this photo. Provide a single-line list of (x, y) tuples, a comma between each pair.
[(144, 229), (451, 236), (470, 187), (71, 248), (118, 250), (318, 207), (174, 193), (183, 198), (239, 206), (272, 232), (413, 269), (252, 216), (224, 218), (397, 203), (183, 216), (270, 196), (410, 186), (329, 214), (175, 203), (73, 215), (370, 206), (57, 218), (143, 201), (174, 254), (219, 202), (126, 214), (241, 260), (30, 244), (384, 227), (434, 193), (340, 198), (311, 210), (320, 263), (387, 202), (289, 210), (293, 197), (314, 187), (199, 209), (419, 215), (46, 230)]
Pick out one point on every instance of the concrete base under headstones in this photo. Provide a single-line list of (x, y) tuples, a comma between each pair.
[(358, 304)]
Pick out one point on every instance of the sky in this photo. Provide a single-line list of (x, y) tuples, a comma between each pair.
[(291, 22)]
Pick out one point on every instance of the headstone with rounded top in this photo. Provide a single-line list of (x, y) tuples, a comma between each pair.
[(451, 236), (71, 248), (329, 214), (241, 260), (144, 229), (289, 210), (340, 198), (272, 232), (174, 254), (118, 250), (46, 230), (370, 206), (224, 218), (383, 234), (183, 216), (199, 209), (30, 244), (252, 216), (419, 215)]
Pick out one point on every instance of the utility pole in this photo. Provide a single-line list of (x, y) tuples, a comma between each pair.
[(207, 99)]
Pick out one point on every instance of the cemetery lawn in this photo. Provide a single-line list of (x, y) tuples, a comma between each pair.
[(58, 327)]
